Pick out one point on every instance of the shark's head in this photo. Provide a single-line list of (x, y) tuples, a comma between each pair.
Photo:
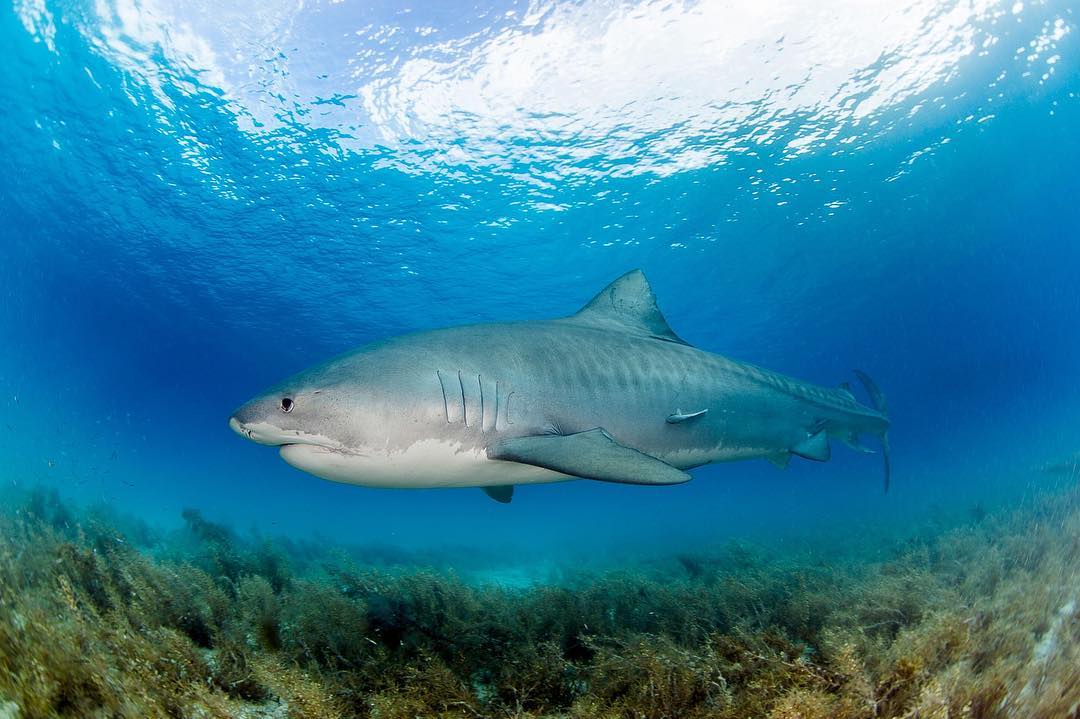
[(351, 419), (285, 416), (308, 417)]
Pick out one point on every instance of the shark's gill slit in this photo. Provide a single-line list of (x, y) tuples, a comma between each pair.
[(464, 408), (445, 409), (495, 424), (508, 420), (480, 384)]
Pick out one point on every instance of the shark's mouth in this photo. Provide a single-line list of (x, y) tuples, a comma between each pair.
[(322, 447), (267, 434)]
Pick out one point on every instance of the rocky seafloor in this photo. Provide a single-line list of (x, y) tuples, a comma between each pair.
[(103, 616)]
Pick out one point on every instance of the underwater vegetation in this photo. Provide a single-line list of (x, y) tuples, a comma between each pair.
[(103, 616)]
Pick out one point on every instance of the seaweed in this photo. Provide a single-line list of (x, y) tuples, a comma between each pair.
[(102, 615)]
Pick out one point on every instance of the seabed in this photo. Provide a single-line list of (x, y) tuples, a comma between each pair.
[(102, 616)]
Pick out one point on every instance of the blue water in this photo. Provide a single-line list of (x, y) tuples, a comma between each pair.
[(197, 201)]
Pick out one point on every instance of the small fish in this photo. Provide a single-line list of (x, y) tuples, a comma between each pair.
[(1068, 466)]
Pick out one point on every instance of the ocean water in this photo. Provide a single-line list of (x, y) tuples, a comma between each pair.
[(199, 199)]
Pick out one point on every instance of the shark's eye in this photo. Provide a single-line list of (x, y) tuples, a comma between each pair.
[(286, 404)]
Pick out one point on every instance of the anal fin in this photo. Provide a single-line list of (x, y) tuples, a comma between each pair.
[(589, 455), (852, 440)]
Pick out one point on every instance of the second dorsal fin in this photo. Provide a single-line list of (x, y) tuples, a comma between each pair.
[(628, 303)]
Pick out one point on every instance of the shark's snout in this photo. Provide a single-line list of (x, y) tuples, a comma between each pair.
[(260, 432), (239, 427)]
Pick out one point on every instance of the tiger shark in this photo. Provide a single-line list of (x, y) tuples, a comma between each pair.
[(609, 393)]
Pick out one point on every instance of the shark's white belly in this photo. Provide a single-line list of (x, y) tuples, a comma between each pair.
[(427, 463)]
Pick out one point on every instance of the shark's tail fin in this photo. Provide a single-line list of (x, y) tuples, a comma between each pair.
[(878, 400)]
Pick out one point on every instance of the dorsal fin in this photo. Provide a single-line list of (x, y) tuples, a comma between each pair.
[(628, 303)]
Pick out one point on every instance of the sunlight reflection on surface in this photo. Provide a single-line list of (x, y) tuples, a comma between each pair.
[(602, 87)]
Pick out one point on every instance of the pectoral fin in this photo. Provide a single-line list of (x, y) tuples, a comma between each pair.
[(589, 455), (503, 493), (815, 447)]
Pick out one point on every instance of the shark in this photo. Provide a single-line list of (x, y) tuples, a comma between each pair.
[(609, 393)]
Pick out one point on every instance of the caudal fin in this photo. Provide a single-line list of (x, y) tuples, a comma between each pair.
[(878, 400)]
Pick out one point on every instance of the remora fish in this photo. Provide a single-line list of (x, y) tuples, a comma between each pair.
[(610, 393)]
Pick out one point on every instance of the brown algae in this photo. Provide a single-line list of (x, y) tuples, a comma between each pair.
[(103, 617)]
